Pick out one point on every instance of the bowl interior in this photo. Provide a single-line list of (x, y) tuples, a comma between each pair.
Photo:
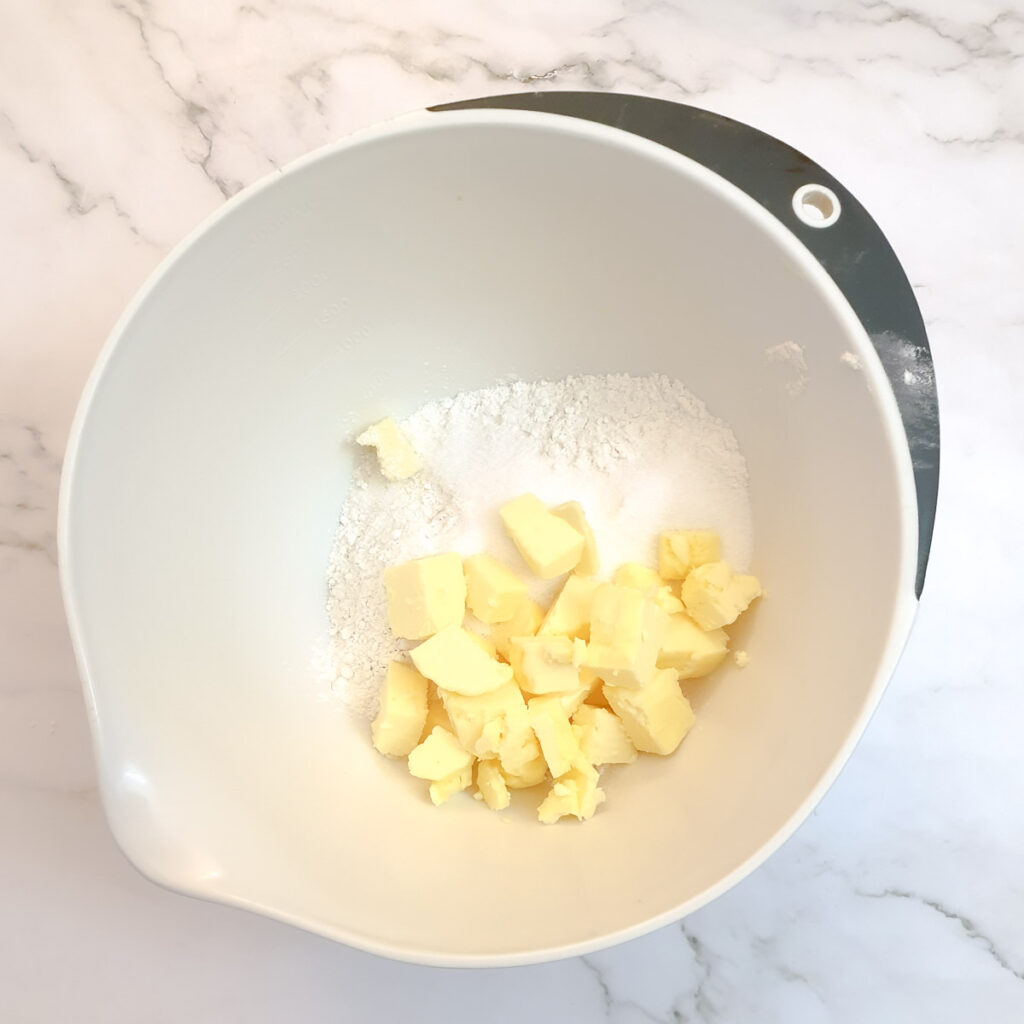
[(206, 478)]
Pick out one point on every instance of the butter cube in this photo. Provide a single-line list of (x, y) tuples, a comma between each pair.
[(455, 661), (715, 596), (546, 664), (496, 725), (442, 761), (554, 732), (396, 456), (530, 773), (648, 582), (572, 512), (469, 715), (626, 631), (403, 711), (548, 544), (425, 595), (569, 614), (690, 650), (491, 785), (485, 643), (494, 591), (655, 718), (679, 551), (443, 789), (436, 714), (438, 756), (595, 688), (519, 749), (575, 793), (525, 622), (667, 601), (602, 736), (638, 577), (572, 699)]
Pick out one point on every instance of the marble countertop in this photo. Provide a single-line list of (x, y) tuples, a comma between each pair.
[(123, 123)]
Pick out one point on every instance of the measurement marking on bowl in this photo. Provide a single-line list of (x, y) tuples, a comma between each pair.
[(816, 205), (310, 285), (329, 312), (357, 336)]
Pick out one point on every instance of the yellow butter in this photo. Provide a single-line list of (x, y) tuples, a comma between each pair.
[(485, 643), (595, 687), (455, 660), (438, 756), (572, 699), (569, 614), (436, 714), (517, 747), (655, 718), (690, 650), (575, 794), (602, 736), (715, 596), (445, 788), (425, 595), (548, 544), (590, 682), (546, 664), (626, 631), (403, 711), (530, 773), (572, 512), (638, 576), (648, 582), (443, 762), (525, 622), (493, 591), (553, 730), (679, 551), (470, 715), (667, 601), (495, 725), (395, 455), (491, 785)]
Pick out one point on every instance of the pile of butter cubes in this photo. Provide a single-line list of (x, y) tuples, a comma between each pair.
[(528, 697)]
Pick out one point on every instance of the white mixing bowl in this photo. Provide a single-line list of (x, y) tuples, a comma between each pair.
[(207, 467)]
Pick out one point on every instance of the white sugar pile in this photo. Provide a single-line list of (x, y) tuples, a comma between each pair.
[(641, 454)]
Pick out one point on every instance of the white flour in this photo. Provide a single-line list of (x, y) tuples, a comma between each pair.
[(641, 454), (790, 356)]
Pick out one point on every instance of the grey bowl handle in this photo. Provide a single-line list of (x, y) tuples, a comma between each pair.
[(853, 251)]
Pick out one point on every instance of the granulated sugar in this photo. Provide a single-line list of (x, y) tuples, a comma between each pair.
[(641, 454)]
